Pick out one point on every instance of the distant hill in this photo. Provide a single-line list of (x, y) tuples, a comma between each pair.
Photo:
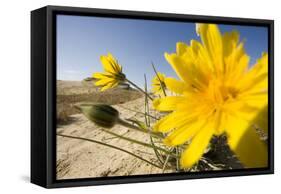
[(72, 92)]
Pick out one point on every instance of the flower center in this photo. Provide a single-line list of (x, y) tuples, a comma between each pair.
[(219, 93)]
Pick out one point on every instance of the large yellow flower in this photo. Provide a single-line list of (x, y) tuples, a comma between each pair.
[(113, 73), (158, 83), (217, 93)]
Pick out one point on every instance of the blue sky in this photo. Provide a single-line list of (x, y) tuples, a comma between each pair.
[(81, 40)]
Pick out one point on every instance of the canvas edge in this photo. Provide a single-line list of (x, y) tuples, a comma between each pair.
[(38, 170)]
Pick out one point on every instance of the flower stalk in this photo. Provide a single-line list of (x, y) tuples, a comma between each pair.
[(141, 90), (135, 141), (128, 125)]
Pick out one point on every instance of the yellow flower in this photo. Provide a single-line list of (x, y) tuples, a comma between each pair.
[(217, 93), (158, 83), (113, 73)]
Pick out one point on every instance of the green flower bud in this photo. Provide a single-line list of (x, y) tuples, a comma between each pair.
[(101, 114)]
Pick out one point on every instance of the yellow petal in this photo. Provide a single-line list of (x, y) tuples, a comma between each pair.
[(158, 84), (202, 66), (246, 143), (230, 41), (185, 132), (201, 57), (261, 120), (212, 40), (181, 48), (175, 85), (97, 75), (196, 148), (188, 70), (108, 86), (178, 65), (159, 127), (156, 89), (159, 77), (257, 77), (110, 64), (168, 103), (258, 116), (102, 75), (104, 81), (114, 63), (237, 55), (106, 64), (173, 120), (247, 111), (195, 47), (261, 65), (237, 66), (255, 100), (220, 122)]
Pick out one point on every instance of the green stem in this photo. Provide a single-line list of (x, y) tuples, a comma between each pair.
[(158, 155), (141, 90), (146, 104), (128, 125), (111, 146), (135, 141), (140, 113), (165, 163), (177, 159)]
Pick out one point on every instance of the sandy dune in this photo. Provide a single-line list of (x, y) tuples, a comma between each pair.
[(80, 159), (72, 92)]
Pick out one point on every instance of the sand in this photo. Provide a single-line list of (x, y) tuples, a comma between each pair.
[(81, 159)]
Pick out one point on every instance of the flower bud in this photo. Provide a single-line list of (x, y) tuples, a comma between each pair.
[(101, 114)]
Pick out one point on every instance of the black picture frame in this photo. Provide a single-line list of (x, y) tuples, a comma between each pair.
[(43, 95)]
